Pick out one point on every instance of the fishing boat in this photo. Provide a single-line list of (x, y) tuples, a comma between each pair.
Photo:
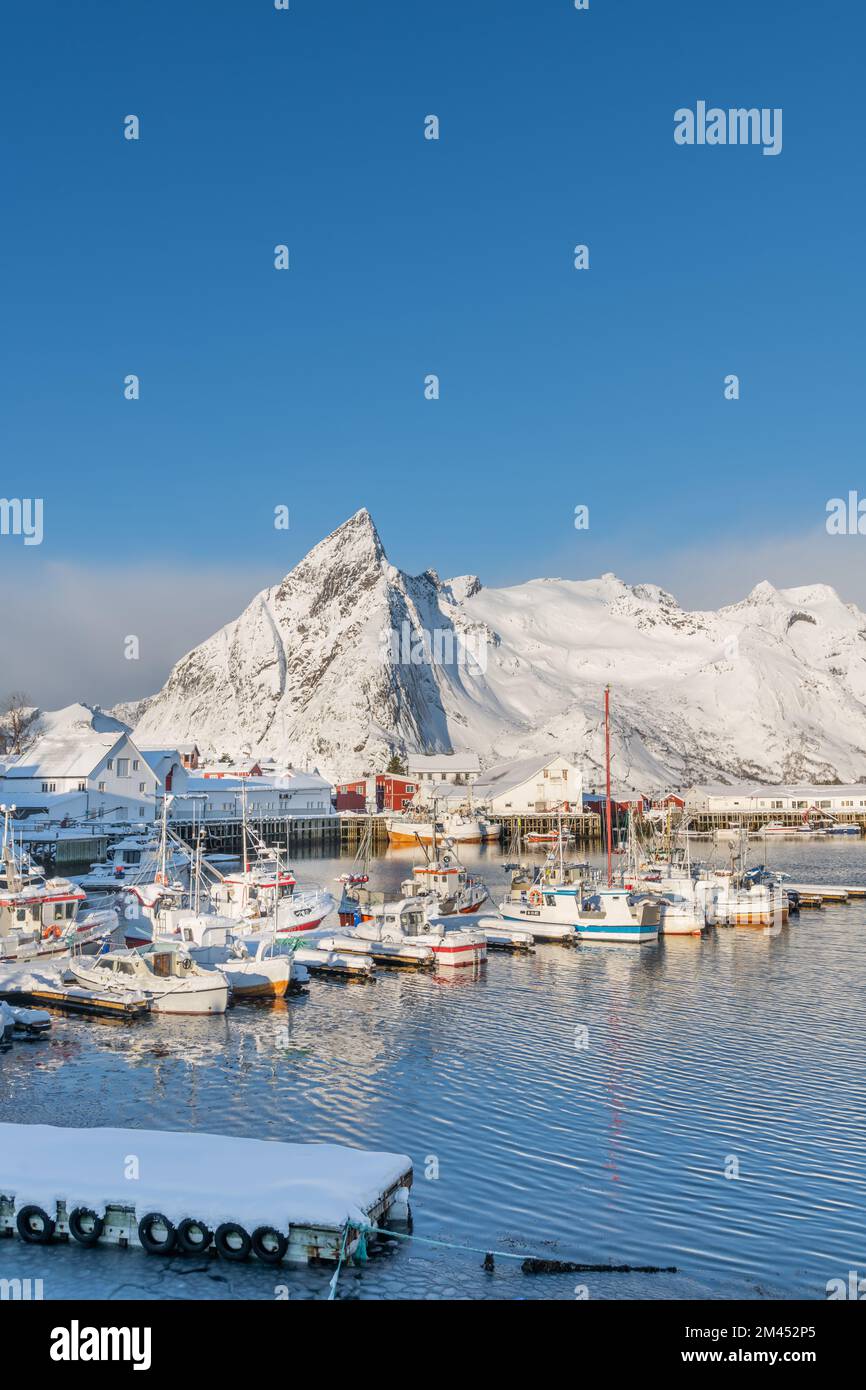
[(136, 859), (39, 915), (165, 974), (587, 912), (256, 965), (548, 837), (559, 905), (460, 828), (445, 886), (405, 923), (262, 890)]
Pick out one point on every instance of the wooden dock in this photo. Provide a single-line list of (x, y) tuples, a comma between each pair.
[(829, 892), (78, 1001), (292, 834)]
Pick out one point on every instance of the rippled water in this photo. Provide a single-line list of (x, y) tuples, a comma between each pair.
[(739, 1049)]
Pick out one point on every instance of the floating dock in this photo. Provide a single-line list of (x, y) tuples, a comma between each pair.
[(829, 892), (74, 1000), (182, 1193)]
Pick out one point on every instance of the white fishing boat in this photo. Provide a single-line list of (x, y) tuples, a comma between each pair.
[(742, 902), (256, 965), (165, 974), (264, 893), (264, 890), (39, 915), (587, 912), (548, 837), (444, 885), (405, 923), (461, 828), (134, 859)]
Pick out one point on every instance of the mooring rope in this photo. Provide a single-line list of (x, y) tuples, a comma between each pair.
[(540, 1260), (332, 1287)]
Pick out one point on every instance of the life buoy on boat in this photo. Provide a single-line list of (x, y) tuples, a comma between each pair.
[(535, 897)]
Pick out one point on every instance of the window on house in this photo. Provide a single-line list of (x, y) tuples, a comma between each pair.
[(101, 787), (135, 764), (82, 786), (141, 786), (110, 764), (123, 767), (141, 810)]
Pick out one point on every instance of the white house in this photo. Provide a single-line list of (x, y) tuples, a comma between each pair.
[(221, 798), (537, 784), (443, 767), (716, 798), (83, 772)]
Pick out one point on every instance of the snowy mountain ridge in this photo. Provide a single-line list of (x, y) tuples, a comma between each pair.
[(348, 659)]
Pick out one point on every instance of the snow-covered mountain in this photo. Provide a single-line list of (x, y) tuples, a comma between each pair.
[(349, 659)]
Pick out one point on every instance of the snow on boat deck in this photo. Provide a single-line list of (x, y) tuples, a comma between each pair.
[(210, 1177)]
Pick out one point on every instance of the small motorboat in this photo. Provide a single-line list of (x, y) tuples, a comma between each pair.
[(164, 973), (255, 964)]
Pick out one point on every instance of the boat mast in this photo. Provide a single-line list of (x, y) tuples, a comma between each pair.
[(13, 882), (244, 826), (607, 776), (559, 824)]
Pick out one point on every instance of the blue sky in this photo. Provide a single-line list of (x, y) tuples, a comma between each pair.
[(408, 257)]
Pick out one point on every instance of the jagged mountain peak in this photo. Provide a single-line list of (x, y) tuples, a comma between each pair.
[(348, 659)]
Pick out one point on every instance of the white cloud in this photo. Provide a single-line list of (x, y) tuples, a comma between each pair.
[(62, 631)]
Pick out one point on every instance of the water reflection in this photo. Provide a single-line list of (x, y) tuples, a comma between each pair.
[(586, 1102)]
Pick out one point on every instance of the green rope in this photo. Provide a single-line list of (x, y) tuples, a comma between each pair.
[(332, 1286)]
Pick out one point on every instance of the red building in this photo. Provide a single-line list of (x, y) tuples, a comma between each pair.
[(352, 796), (389, 792), (393, 792)]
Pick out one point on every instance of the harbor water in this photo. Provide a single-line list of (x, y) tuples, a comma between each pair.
[(699, 1103)]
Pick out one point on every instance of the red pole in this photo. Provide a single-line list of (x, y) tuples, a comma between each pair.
[(607, 770)]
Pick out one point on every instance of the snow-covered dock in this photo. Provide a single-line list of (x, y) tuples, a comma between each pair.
[(43, 984), (829, 892), (184, 1193)]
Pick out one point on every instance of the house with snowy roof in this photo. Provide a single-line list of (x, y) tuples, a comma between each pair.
[(443, 767), (79, 771), (538, 784)]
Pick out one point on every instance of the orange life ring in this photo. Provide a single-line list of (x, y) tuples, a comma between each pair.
[(535, 897)]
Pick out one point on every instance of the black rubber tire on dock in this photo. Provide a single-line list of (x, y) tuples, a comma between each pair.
[(269, 1245), (149, 1241), (232, 1242), (35, 1226), (186, 1232), (85, 1226)]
